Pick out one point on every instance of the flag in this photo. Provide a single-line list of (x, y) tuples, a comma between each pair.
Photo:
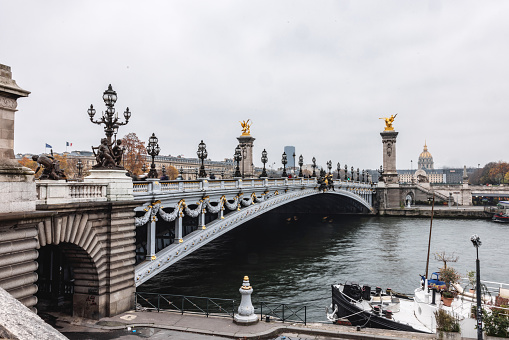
[(68, 144), (48, 146)]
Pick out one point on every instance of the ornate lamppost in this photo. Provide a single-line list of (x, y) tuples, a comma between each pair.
[(329, 165), (109, 156), (264, 161), (314, 166), (363, 175), (79, 166), (181, 173), (346, 172), (237, 157), (301, 163), (339, 169), (284, 161), (153, 150), (353, 175), (476, 241), (358, 175), (202, 155), (380, 172)]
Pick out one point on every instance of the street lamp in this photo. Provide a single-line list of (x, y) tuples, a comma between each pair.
[(476, 241), (339, 169), (301, 163), (353, 175), (79, 166), (237, 157), (358, 175), (329, 165), (314, 166), (264, 160), (380, 178), (181, 172), (202, 154), (284, 161), (346, 172), (109, 117), (153, 150), (363, 175)]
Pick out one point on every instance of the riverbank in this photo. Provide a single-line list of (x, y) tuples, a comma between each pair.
[(151, 324), (473, 212)]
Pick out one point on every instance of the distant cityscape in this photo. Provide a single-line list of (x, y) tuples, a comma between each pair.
[(188, 167)]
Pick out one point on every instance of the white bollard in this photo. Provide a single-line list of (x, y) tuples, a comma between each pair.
[(246, 315)]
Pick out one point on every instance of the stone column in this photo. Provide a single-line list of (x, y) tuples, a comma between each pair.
[(246, 164), (16, 182), (390, 174)]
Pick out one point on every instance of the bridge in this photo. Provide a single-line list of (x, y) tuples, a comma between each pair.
[(217, 206), (85, 246)]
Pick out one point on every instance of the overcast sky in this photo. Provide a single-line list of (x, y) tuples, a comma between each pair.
[(313, 74)]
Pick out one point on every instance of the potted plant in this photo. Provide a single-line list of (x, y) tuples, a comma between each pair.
[(448, 327), (448, 275), (496, 323)]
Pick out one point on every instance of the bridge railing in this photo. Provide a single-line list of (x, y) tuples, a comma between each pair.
[(184, 304), (283, 312), (157, 186), (56, 192)]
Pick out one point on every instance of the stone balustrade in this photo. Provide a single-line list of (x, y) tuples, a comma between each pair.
[(61, 192)]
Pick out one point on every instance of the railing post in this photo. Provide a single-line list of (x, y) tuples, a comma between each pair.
[(261, 311), (204, 185), (151, 240), (283, 313), (178, 226), (158, 302), (222, 184), (207, 312), (182, 310), (181, 186), (305, 315)]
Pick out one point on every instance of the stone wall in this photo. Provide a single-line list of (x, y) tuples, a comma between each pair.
[(98, 239)]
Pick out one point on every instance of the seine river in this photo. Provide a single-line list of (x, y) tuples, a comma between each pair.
[(296, 261)]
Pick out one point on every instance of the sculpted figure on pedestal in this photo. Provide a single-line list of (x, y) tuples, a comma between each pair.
[(104, 155), (388, 122), (50, 166)]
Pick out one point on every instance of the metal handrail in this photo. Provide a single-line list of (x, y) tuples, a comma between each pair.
[(184, 304), (277, 311)]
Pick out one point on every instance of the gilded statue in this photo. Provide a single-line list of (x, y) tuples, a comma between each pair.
[(246, 127), (388, 122)]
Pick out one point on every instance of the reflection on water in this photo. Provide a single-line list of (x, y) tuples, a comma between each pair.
[(297, 261)]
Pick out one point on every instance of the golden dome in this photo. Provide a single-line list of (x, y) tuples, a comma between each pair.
[(425, 153)]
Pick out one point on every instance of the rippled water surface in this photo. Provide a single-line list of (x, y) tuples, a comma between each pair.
[(297, 261)]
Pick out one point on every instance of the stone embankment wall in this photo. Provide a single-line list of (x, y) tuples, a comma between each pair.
[(452, 212), (98, 239)]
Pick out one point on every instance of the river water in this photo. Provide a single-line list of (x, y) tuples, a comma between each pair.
[(296, 261)]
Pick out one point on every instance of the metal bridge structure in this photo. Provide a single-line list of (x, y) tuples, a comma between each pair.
[(179, 217)]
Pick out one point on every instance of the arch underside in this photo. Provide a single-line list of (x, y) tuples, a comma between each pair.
[(306, 199)]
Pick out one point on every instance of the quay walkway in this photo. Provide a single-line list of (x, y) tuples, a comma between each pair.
[(153, 325)]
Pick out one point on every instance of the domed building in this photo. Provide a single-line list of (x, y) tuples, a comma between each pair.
[(425, 159)]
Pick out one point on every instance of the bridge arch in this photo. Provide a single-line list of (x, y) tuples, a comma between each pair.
[(253, 206), (97, 241)]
